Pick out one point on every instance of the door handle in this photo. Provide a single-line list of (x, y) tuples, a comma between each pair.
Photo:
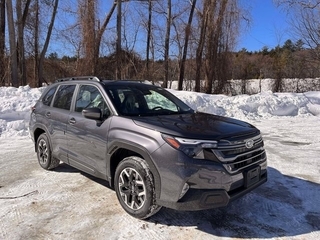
[(48, 114), (72, 121)]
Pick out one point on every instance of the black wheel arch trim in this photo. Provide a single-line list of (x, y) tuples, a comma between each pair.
[(139, 150), (44, 130)]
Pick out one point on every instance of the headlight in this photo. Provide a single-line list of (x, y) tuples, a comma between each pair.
[(191, 147)]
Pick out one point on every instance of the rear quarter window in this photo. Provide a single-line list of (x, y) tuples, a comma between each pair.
[(47, 98)]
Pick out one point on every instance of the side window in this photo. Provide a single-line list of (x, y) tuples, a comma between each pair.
[(63, 97), (46, 100), (89, 97)]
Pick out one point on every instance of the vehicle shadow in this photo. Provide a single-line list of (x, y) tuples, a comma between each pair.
[(284, 206), (65, 168)]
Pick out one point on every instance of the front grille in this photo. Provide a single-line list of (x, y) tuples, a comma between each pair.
[(244, 162), (235, 156), (239, 150)]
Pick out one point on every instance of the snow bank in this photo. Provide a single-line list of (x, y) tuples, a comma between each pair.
[(257, 106), (16, 103), (15, 109)]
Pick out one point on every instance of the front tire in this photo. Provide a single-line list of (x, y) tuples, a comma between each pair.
[(134, 186), (44, 153)]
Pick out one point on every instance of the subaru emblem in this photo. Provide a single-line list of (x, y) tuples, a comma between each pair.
[(249, 143)]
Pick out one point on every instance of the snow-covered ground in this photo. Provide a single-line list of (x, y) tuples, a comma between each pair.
[(68, 204)]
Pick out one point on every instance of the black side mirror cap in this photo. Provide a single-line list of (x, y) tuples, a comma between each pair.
[(92, 113)]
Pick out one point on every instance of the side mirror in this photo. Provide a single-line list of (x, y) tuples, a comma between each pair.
[(92, 113)]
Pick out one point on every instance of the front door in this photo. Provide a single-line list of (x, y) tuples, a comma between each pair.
[(87, 138)]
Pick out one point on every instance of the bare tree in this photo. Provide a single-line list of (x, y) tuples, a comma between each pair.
[(185, 47), (36, 44), (88, 18), (310, 4), (22, 17), (305, 21), (100, 32), (216, 16), (199, 54), (118, 47), (37, 30), (278, 66), (12, 43), (167, 44), (91, 33), (148, 38), (2, 40), (47, 40)]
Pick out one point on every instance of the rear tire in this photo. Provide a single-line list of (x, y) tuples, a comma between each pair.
[(44, 153), (134, 186)]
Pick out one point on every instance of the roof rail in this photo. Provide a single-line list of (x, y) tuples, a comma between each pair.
[(93, 78), (134, 80)]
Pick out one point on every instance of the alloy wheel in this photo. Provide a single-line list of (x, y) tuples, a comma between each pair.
[(43, 151), (132, 188)]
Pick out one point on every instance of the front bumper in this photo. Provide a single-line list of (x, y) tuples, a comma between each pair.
[(201, 199)]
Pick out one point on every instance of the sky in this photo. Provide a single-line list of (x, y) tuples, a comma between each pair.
[(269, 27)]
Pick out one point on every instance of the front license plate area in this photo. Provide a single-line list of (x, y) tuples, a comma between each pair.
[(251, 176)]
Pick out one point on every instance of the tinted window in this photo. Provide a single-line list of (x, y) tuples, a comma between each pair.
[(46, 100), (89, 97), (63, 97), (144, 100)]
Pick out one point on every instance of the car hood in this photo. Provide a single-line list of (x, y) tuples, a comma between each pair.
[(197, 125)]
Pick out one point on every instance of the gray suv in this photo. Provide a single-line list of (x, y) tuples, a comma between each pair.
[(149, 145)]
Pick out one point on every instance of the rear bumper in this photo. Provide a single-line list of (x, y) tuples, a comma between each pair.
[(201, 199)]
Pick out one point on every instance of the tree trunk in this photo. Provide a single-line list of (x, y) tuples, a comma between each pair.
[(88, 24), (46, 43), (12, 43), (100, 32), (199, 53), (185, 47), (216, 15), (2, 41), (166, 45), (21, 16), (118, 50), (36, 45), (221, 49), (148, 40)]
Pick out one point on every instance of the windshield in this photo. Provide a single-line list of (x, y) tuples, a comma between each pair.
[(145, 100)]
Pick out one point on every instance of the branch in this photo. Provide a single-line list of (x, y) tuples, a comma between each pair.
[(106, 21)]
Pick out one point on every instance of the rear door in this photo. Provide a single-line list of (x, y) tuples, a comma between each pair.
[(57, 117)]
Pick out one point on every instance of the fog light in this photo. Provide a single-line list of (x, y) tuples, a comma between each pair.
[(184, 190)]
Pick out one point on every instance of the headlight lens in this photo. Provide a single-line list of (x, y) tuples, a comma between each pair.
[(191, 147)]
